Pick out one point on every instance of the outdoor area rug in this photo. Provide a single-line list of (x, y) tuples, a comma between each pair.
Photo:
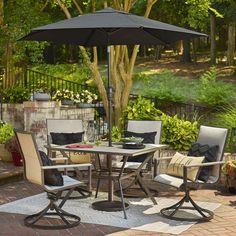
[(142, 214)]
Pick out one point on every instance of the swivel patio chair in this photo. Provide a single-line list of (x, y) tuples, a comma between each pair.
[(35, 172), (183, 173), (67, 131)]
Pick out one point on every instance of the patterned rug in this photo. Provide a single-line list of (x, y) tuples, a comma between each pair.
[(142, 214)]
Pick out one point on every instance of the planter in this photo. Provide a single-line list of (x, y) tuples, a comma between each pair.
[(231, 185), (42, 96), (86, 105), (67, 102), (17, 160), (4, 154)]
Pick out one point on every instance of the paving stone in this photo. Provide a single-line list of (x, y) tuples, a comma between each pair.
[(222, 224)]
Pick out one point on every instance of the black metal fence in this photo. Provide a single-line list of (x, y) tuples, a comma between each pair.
[(34, 80)]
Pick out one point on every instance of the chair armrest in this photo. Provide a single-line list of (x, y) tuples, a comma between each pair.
[(205, 164), (58, 158), (65, 166)]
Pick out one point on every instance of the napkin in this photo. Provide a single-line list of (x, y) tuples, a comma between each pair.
[(79, 146)]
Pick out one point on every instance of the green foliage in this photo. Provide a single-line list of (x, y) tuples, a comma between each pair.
[(198, 12), (73, 72), (116, 134), (165, 86), (19, 18), (15, 94), (226, 119), (141, 109), (6, 132), (179, 134), (213, 92)]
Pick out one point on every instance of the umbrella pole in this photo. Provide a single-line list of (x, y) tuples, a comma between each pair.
[(109, 97)]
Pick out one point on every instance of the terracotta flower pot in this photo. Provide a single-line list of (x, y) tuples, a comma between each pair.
[(5, 155), (17, 160), (231, 184)]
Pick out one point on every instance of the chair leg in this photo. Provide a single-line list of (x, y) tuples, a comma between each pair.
[(98, 185), (69, 220), (170, 212), (122, 199), (145, 189)]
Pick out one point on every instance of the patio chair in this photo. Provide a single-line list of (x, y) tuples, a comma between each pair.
[(186, 173), (151, 132), (67, 131), (34, 172)]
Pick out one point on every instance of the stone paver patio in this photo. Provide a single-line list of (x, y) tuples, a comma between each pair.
[(12, 224)]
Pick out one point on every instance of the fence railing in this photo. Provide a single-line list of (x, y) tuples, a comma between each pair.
[(34, 80)]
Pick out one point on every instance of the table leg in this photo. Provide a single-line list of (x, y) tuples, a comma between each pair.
[(110, 181), (109, 204)]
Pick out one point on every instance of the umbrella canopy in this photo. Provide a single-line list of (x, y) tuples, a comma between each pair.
[(110, 27)]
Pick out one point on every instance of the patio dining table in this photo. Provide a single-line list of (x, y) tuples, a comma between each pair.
[(109, 152)]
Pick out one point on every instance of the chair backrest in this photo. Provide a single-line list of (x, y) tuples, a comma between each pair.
[(214, 136), (31, 158), (145, 126), (63, 126)]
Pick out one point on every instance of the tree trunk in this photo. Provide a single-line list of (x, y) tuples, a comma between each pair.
[(186, 51), (9, 79), (1, 13), (213, 38), (231, 44)]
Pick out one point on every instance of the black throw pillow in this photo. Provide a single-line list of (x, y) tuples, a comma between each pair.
[(210, 153), (66, 138), (52, 176), (147, 138)]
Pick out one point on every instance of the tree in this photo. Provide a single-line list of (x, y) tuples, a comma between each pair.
[(228, 10), (15, 21), (122, 57)]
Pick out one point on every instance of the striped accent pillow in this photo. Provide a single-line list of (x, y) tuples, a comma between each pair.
[(175, 167)]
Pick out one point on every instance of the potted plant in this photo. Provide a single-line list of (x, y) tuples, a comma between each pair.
[(6, 132), (85, 98), (65, 96), (42, 94), (229, 169), (12, 146)]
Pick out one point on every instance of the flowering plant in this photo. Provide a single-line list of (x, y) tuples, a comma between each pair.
[(64, 94), (86, 97), (229, 169)]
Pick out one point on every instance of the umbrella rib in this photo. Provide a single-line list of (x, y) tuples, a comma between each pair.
[(154, 36), (89, 38)]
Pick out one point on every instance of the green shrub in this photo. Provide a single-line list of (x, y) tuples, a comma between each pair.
[(141, 109), (73, 72), (6, 132), (15, 94), (165, 86), (226, 119), (213, 92), (177, 133), (116, 134)]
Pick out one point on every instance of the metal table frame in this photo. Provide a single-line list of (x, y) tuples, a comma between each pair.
[(109, 151)]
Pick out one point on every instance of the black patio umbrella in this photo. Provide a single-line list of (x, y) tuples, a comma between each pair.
[(110, 27)]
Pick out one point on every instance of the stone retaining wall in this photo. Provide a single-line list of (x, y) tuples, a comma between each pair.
[(32, 115)]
